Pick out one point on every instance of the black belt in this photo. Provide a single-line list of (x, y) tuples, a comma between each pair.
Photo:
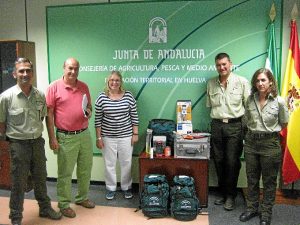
[(262, 135), (232, 120), (22, 140), (71, 132)]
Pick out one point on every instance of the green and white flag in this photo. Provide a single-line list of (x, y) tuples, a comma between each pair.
[(271, 61)]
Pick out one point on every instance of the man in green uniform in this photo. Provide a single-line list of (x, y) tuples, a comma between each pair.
[(22, 110), (226, 97)]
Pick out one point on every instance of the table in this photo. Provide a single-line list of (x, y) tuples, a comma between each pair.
[(170, 166)]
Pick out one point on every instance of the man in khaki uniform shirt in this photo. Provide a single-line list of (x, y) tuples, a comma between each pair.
[(22, 110), (226, 96)]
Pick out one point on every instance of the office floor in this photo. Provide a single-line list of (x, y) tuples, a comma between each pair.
[(283, 214), (100, 215)]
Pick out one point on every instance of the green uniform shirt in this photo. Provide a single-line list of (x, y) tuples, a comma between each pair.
[(268, 119), (227, 103), (22, 115)]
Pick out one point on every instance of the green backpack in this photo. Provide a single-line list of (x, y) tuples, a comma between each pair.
[(155, 195), (184, 202), (163, 127)]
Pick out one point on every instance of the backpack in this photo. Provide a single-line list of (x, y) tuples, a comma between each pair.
[(184, 202), (163, 127), (154, 196)]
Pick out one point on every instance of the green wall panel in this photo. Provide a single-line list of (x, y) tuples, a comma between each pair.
[(194, 31)]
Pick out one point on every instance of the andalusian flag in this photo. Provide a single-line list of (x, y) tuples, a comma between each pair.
[(291, 91), (271, 61)]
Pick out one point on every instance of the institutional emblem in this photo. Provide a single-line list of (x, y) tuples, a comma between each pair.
[(293, 98), (157, 30)]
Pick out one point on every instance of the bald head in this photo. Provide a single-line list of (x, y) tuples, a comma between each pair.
[(71, 61), (71, 69)]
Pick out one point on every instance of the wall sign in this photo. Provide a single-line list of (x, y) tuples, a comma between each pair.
[(165, 50)]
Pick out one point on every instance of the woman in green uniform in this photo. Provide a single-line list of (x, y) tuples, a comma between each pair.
[(266, 115)]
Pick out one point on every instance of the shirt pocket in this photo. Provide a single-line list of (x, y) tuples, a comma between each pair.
[(215, 98), (17, 116), (271, 115), (39, 109), (252, 115), (236, 96), (39, 105)]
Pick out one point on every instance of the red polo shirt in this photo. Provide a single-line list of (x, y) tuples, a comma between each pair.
[(66, 102)]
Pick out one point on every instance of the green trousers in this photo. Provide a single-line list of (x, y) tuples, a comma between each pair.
[(27, 156), (263, 157), (74, 149), (227, 147)]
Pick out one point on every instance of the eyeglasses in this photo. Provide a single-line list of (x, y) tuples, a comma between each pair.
[(114, 81)]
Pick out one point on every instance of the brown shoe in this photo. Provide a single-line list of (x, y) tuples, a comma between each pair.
[(68, 212), (86, 204)]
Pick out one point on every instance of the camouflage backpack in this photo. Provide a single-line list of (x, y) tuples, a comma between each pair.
[(184, 202), (155, 195)]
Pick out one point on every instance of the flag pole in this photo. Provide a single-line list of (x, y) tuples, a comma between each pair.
[(272, 13), (271, 59), (294, 12)]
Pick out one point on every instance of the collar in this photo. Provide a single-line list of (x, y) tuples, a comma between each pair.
[(18, 90), (270, 96), (229, 78), (67, 85)]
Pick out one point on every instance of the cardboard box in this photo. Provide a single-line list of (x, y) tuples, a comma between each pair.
[(159, 144), (184, 128), (184, 111)]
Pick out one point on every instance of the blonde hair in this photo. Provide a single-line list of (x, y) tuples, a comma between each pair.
[(114, 72)]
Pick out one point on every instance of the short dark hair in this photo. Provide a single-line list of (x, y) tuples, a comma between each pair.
[(221, 56), (23, 60), (273, 88)]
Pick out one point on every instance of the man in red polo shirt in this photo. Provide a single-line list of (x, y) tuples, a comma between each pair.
[(72, 141)]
